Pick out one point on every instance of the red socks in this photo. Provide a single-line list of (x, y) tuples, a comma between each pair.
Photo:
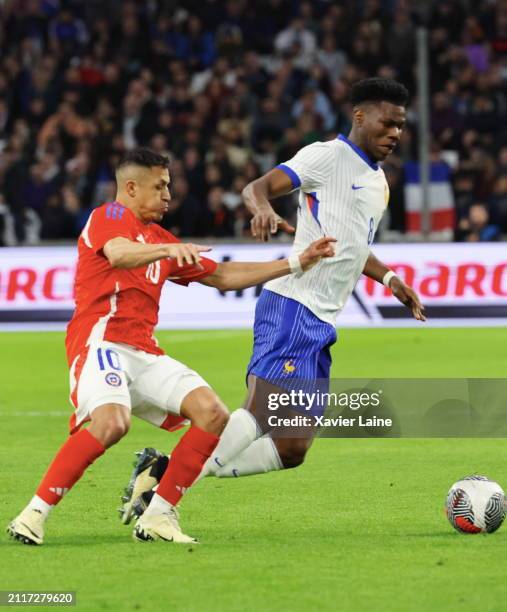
[(186, 463), (81, 450), (78, 452)]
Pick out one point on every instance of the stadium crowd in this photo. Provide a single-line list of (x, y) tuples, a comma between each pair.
[(229, 88)]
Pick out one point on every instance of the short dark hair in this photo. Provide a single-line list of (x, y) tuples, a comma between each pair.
[(144, 157), (378, 89)]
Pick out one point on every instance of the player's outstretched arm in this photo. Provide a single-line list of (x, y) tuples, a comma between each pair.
[(124, 253), (256, 196), (232, 275), (378, 271)]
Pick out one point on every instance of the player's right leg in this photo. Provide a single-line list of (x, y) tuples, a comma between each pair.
[(109, 423), (101, 398)]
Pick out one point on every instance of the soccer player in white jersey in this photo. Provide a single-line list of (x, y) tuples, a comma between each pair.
[(342, 193)]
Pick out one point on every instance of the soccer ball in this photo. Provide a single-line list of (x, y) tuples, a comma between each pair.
[(475, 504)]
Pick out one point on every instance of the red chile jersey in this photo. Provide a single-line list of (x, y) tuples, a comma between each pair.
[(121, 305)]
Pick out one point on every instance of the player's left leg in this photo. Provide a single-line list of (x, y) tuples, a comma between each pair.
[(261, 456), (277, 449), (169, 387), (240, 433), (265, 455), (291, 351), (309, 341), (208, 417)]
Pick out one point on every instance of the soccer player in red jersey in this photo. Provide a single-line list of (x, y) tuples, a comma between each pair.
[(116, 365)]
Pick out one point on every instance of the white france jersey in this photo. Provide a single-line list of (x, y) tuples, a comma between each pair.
[(343, 194)]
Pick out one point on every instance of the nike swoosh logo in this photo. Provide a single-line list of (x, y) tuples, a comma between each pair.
[(356, 187)]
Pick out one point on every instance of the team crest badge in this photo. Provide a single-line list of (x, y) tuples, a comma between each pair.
[(113, 379), (289, 367)]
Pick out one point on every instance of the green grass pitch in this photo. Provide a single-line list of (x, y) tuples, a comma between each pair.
[(358, 527)]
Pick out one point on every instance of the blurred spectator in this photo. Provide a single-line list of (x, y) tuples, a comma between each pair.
[(499, 202), (477, 227), (400, 43), (332, 59), (289, 145), (232, 198), (185, 216), (67, 33), (464, 192), (42, 182), (315, 102), (396, 210), (196, 46), (59, 216), (7, 229), (221, 218), (446, 124), (297, 41)]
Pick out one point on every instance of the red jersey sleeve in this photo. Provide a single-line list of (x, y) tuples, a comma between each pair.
[(187, 274), (107, 222)]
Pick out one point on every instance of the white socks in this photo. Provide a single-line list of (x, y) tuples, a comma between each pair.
[(260, 457), (240, 431), (36, 503), (157, 505)]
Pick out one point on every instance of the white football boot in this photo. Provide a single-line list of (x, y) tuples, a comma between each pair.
[(28, 527), (163, 526)]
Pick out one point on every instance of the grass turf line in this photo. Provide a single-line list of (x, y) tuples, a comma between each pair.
[(359, 526)]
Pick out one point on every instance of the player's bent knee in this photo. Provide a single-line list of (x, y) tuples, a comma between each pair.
[(292, 459), (109, 423), (218, 416), (212, 416), (205, 410), (292, 452), (116, 430)]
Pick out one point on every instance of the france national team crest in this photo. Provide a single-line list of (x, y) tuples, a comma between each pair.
[(289, 367), (113, 379)]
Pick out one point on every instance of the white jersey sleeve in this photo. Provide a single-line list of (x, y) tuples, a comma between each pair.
[(310, 167)]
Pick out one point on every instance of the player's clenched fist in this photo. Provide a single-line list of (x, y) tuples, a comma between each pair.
[(323, 247), (186, 253)]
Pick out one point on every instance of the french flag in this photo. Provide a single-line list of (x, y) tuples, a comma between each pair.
[(441, 198)]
